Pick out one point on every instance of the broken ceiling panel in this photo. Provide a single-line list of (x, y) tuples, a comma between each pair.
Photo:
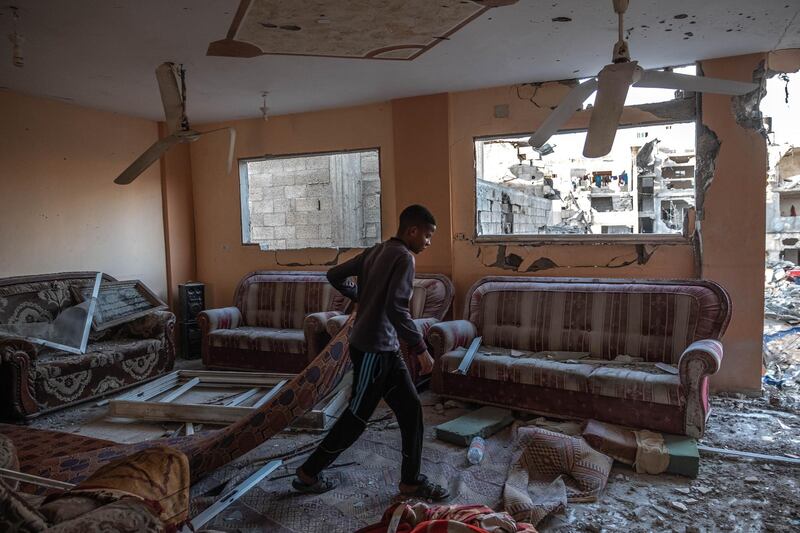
[(359, 29)]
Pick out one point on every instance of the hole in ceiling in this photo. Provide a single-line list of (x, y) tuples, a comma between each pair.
[(562, 19), (291, 27), (681, 16)]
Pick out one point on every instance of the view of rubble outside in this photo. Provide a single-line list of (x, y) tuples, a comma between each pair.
[(781, 114), (328, 200), (644, 185)]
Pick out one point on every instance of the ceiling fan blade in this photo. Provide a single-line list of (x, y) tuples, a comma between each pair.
[(149, 157), (170, 96), (671, 80), (231, 144), (613, 83), (561, 114)]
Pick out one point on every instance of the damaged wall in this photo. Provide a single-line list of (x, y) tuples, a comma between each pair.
[(734, 225), (427, 150)]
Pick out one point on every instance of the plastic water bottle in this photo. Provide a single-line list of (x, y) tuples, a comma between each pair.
[(476, 449)]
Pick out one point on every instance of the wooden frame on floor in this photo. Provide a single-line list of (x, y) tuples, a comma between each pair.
[(142, 403)]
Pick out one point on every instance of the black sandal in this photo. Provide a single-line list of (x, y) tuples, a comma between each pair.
[(428, 490), (322, 484)]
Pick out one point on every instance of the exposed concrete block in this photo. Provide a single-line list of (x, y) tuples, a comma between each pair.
[(369, 162), (284, 232), (296, 191), (261, 233), (312, 176), (306, 232), (273, 219)]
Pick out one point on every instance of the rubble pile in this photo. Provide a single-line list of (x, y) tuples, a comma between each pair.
[(781, 293), (782, 326)]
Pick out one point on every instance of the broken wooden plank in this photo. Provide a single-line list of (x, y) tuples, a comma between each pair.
[(230, 497), (749, 455), (466, 362), (35, 480), (269, 395), (211, 414)]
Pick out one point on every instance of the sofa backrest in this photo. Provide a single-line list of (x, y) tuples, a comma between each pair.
[(278, 299), (655, 320), (40, 298), (432, 296)]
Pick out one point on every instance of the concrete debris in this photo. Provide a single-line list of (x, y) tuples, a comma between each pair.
[(679, 506), (781, 293)]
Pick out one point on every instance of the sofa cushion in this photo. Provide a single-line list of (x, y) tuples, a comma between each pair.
[(641, 382), (528, 370), (275, 300), (431, 296), (37, 301), (260, 339), (655, 321), (645, 385)]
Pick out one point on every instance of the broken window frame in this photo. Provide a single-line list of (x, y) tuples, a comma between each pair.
[(244, 193), (596, 238)]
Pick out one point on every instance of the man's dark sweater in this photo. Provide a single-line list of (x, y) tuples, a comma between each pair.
[(385, 276)]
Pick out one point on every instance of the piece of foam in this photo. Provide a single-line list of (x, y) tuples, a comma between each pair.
[(483, 422), (684, 457)]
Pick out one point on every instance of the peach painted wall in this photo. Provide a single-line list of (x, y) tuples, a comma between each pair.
[(178, 206), (734, 226), (222, 259), (422, 170), (61, 210)]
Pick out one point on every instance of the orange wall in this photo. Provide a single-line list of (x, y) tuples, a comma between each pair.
[(222, 259), (734, 227), (422, 170), (178, 207), (61, 210)]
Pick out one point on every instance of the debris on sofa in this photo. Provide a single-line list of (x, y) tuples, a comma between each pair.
[(549, 469), (483, 422), (648, 452)]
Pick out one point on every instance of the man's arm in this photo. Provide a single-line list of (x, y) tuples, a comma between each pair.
[(338, 277), (401, 285)]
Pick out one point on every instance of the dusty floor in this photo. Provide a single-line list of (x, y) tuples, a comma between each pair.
[(730, 494)]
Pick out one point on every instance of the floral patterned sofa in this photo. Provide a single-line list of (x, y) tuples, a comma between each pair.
[(35, 379), (431, 299), (676, 323), (264, 329)]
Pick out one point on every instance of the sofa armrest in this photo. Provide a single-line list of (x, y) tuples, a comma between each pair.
[(17, 396), (222, 318), (335, 324), (316, 332), (707, 352), (447, 336), (701, 359)]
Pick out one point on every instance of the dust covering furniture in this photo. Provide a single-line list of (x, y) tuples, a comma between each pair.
[(264, 328), (35, 379), (523, 320)]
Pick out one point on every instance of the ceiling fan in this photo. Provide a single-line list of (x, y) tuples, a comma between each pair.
[(172, 86), (612, 84)]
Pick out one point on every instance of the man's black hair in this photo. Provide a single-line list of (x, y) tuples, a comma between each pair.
[(415, 215)]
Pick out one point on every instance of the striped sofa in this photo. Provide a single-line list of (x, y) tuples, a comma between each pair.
[(430, 301), (264, 329), (521, 319)]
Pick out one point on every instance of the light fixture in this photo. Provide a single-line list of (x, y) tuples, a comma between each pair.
[(264, 109)]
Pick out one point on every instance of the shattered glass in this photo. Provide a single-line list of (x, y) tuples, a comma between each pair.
[(69, 331)]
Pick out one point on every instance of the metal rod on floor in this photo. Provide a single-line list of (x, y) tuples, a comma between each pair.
[(230, 497)]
